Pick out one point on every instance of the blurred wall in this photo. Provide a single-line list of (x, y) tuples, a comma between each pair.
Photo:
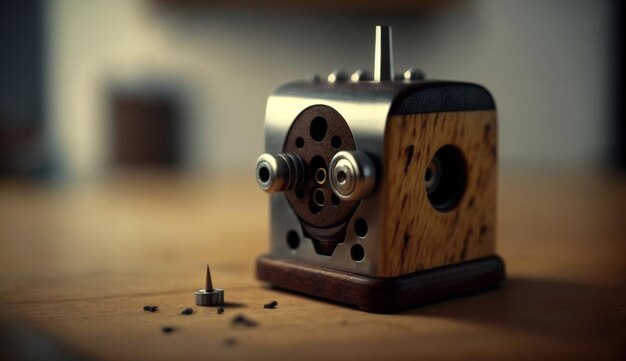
[(546, 62)]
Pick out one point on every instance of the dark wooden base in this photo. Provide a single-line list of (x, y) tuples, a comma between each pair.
[(383, 295)]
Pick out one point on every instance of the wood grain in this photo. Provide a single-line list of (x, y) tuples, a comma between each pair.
[(383, 294), (78, 262), (416, 235)]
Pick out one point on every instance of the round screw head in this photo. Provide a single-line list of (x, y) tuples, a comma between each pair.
[(344, 176), (352, 175)]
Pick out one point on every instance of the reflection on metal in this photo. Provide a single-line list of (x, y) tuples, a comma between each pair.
[(279, 173), (337, 76), (352, 175), (414, 74), (365, 105), (365, 110), (361, 75), (383, 55), (209, 296)]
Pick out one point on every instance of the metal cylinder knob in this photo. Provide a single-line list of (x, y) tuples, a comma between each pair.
[(361, 75), (352, 175), (280, 172), (338, 76), (413, 74)]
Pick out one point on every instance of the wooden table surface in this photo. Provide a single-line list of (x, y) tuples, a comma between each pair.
[(79, 261)]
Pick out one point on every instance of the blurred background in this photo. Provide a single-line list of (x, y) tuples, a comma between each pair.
[(129, 131), (89, 87)]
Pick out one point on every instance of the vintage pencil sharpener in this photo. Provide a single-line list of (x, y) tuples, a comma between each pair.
[(383, 188)]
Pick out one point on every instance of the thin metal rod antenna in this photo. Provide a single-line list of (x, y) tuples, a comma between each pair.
[(209, 282), (383, 54)]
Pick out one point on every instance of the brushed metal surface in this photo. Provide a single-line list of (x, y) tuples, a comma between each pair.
[(365, 109)]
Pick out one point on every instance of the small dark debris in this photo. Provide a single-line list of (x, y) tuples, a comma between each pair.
[(230, 341), (220, 310), (167, 329), (150, 308), (271, 305), (187, 311), (241, 320)]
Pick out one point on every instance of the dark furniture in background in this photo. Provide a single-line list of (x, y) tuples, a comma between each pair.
[(145, 130)]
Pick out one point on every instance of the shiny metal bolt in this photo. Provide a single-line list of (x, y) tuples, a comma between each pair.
[(361, 75), (413, 74), (352, 175), (338, 76), (209, 296), (279, 173)]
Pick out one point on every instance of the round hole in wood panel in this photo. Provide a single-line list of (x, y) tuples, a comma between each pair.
[(445, 178)]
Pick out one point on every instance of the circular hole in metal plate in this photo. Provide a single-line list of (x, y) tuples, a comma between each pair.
[(357, 253), (360, 227), (293, 240)]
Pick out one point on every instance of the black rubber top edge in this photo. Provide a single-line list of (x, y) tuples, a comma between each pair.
[(442, 96)]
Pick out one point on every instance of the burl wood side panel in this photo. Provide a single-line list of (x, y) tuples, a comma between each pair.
[(416, 235)]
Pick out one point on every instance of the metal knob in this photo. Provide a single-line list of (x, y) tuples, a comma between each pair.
[(338, 76), (361, 75), (352, 175), (413, 74), (279, 173)]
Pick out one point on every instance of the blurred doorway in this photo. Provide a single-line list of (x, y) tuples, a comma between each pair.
[(145, 130)]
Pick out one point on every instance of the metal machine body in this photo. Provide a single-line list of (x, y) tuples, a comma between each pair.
[(325, 162)]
